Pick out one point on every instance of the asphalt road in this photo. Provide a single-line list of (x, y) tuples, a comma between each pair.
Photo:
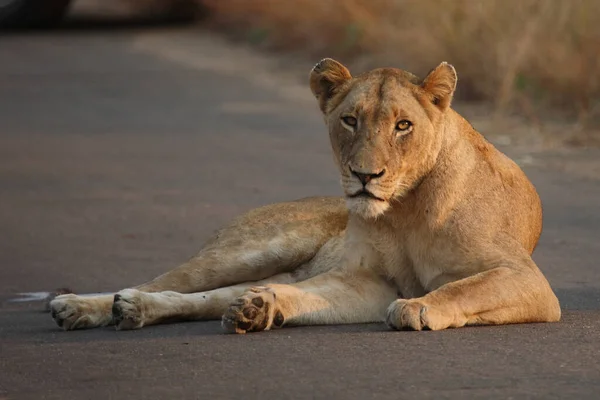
[(121, 150)]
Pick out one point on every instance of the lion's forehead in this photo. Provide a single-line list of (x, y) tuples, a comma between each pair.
[(383, 98)]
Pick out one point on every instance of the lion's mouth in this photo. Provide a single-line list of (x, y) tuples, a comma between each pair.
[(366, 194)]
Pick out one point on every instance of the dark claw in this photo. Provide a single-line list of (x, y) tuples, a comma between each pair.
[(116, 311)]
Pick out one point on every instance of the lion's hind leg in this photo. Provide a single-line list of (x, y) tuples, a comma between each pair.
[(71, 311), (263, 243), (133, 309)]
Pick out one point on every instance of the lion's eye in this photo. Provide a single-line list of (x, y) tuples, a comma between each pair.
[(349, 120), (403, 125)]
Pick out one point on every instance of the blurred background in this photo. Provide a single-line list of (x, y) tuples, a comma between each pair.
[(539, 59), (518, 55)]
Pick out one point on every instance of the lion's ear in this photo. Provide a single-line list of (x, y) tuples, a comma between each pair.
[(441, 83), (326, 78)]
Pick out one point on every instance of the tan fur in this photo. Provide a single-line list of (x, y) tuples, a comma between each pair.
[(437, 230)]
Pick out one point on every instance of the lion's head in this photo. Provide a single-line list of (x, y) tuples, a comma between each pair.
[(386, 128)]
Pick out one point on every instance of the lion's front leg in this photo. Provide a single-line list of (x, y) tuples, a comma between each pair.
[(335, 297), (513, 292)]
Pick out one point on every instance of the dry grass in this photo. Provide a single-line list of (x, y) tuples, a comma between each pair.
[(526, 55)]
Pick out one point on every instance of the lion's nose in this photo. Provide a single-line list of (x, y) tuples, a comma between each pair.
[(366, 177)]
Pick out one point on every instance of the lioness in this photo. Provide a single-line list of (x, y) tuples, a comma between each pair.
[(436, 231)]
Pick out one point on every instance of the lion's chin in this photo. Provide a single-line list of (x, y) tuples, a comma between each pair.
[(366, 207)]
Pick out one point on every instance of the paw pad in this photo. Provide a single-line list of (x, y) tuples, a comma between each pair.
[(254, 311)]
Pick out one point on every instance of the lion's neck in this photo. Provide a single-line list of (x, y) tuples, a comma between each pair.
[(438, 190)]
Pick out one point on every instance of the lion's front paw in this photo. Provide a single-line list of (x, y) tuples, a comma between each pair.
[(414, 315), (70, 312), (256, 310)]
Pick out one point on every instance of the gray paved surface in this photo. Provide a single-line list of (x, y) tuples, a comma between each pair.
[(118, 159)]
